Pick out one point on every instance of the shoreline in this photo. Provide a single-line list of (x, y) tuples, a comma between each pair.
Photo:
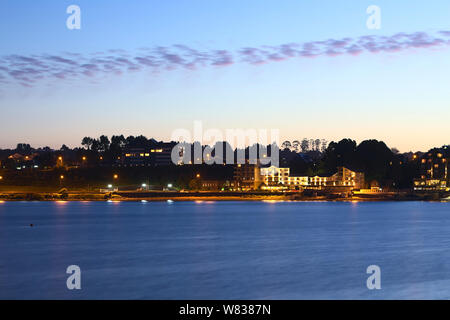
[(205, 197)]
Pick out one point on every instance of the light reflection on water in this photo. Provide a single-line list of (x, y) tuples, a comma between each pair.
[(224, 250)]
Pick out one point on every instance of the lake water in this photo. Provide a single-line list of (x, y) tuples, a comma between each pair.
[(224, 250)]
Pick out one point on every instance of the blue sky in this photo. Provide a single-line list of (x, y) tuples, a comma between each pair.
[(400, 96)]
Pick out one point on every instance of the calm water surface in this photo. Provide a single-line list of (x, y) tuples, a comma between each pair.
[(224, 250)]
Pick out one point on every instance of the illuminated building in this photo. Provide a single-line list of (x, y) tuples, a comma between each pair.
[(157, 156), (274, 176), (247, 177), (434, 171), (346, 178)]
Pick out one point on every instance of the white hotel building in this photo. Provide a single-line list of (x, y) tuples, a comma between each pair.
[(276, 178)]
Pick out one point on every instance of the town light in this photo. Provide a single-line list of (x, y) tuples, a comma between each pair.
[(169, 185), (84, 158), (144, 185), (1, 177), (110, 186), (61, 177), (198, 175), (116, 176)]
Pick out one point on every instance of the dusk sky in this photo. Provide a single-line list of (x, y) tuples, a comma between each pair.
[(309, 68)]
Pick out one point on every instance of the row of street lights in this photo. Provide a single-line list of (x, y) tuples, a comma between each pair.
[(115, 177), (83, 158)]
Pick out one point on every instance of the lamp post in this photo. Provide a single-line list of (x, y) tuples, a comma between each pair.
[(60, 161), (115, 178), (61, 178)]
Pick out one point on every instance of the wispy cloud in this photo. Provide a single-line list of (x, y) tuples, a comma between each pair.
[(31, 69)]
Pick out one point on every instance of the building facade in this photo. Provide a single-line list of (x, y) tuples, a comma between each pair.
[(247, 177), (434, 170), (274, 177)]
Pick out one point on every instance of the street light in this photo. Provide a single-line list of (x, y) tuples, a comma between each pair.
[(84, 158), (116, 176), (1, 177), (198, 175), (169, 185), (110, 186)]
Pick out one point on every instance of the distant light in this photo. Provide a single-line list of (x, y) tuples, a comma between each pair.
[(1, 178), (36, 166), (144, 185), (198, 175), (110, 186), (169, 185), (84, 158), (60, 158), (61, 177), (116, 176)]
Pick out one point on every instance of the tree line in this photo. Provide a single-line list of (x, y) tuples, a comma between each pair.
[(306, 157)]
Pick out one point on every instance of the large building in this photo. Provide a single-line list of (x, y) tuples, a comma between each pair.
[(162, 156), (136, 157), (346, 178), (157, 156), (434, 170), (274, 177)]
